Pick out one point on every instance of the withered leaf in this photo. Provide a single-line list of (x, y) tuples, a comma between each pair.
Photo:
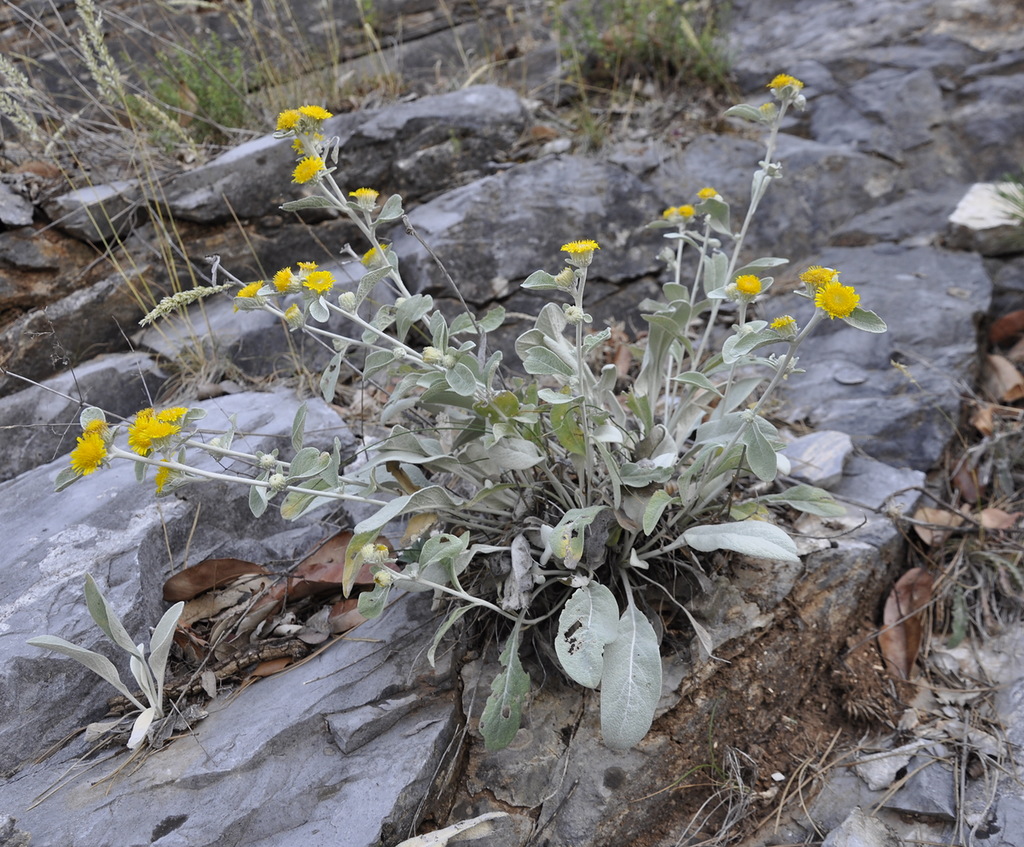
[(210, 573), (1001, 379), (940, 518), (902, 628)]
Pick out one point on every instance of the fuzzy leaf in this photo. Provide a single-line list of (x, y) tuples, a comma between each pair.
[(314, 201), (660, 500), (761, 456), (866, 321), (449, 622), (160, 646), (543, 362), (329, 378), (589, 620), (392, 209), (745, 112), (299, 427), (751, 538), (504, 708), (65, 478), (106, 618), (807, 498), (461, 380), (540, 281), (630, 681), (99, 665), (141, 727), (492, 320), (372, 603)]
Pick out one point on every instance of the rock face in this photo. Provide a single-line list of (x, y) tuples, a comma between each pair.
[(910, 102)]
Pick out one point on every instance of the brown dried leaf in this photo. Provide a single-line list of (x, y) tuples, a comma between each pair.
[(271, 667), (993, 518), (940, 517), (345, 616), (965, 480), (1007, 327), (902, 630), (210, 573), (1001, 379), (982, 419)]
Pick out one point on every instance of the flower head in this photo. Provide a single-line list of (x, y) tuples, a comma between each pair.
[(149, 428), (748, 285), (293, 316), (89, 454), (836, 300), (783, 80), (250, 289), (784, 325), (317, 113), (581, 253), (816, 276), (364, 198), (375, 554), (347, 301), (319, 281), (163, 474), (678, 214), (308, 169), (373, 257), (288, 120), (285, 281), (97, 425), (707, 194)]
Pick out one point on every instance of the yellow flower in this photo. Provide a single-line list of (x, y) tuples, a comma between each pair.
[(580, 248), (816, 276), (293, 315), (149, 428), (707, 194), (373, 256), (307, 169), (837, 301), (364, 198), (783, 80), (284, 280), (172, 415), (317, 113), (784, 324), (678, 213), (749, 285), (89, 454), (162, 475), (250, 289), (97, 425), (287, 120), (319, 281), (308, 266)]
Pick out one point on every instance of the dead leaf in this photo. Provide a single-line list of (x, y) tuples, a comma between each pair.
[(271, 667), (1001, 379), (982, 419), (993, 518), (965, 480), (345, 616), (900, 638), (210, 573), (1005, 328), (1016, 353), (940, 517)]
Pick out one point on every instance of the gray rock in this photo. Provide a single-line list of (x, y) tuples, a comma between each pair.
[(411, 148), (108, 525), (15, 210), (930, 789), (916, 220), (97, 212), (862, 830), (983, 222), (818, 458), (990, 123), (120, 383)]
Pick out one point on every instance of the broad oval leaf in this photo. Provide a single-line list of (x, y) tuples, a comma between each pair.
[(589, 620), (630, 681), (504, 709), (751, 538)]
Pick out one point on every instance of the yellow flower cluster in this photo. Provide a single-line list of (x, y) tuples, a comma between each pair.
[(91, 451), (292, 119), (151, 427), (832, 297), (677, 214), (782, 80)]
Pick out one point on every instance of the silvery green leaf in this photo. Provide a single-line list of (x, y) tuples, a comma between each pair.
[(143, 676), (411, 310), (718, 210), (314, 201), (738, 345), (660, 500), (140, 471), (493, 319), (298, 503), (543, 362), (318, 310), (504, 708), (467, 830), (329, 378), (98, 664), (865, 320), (515, 454), (589, 620), (608, 433), (258, 499), (807, 498), (698, 380), (761, 456), (461, 380), (716, 269), (751, 538), (630, 681), (555, 398), (309, 461), (90, 414), (106, 618), (758, 265), (376, 361), (299, 427), (160, 645), (141, 727), (449, 622), (369, 280), (392, 209), (65, 478), (595, 338), (372, 603), (703, 636), (639, 475), (745, 112), (540, 281)]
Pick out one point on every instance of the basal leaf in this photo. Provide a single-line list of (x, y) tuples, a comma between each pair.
[(752, 538), (630, 681), (589, 620), (504, 708)]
